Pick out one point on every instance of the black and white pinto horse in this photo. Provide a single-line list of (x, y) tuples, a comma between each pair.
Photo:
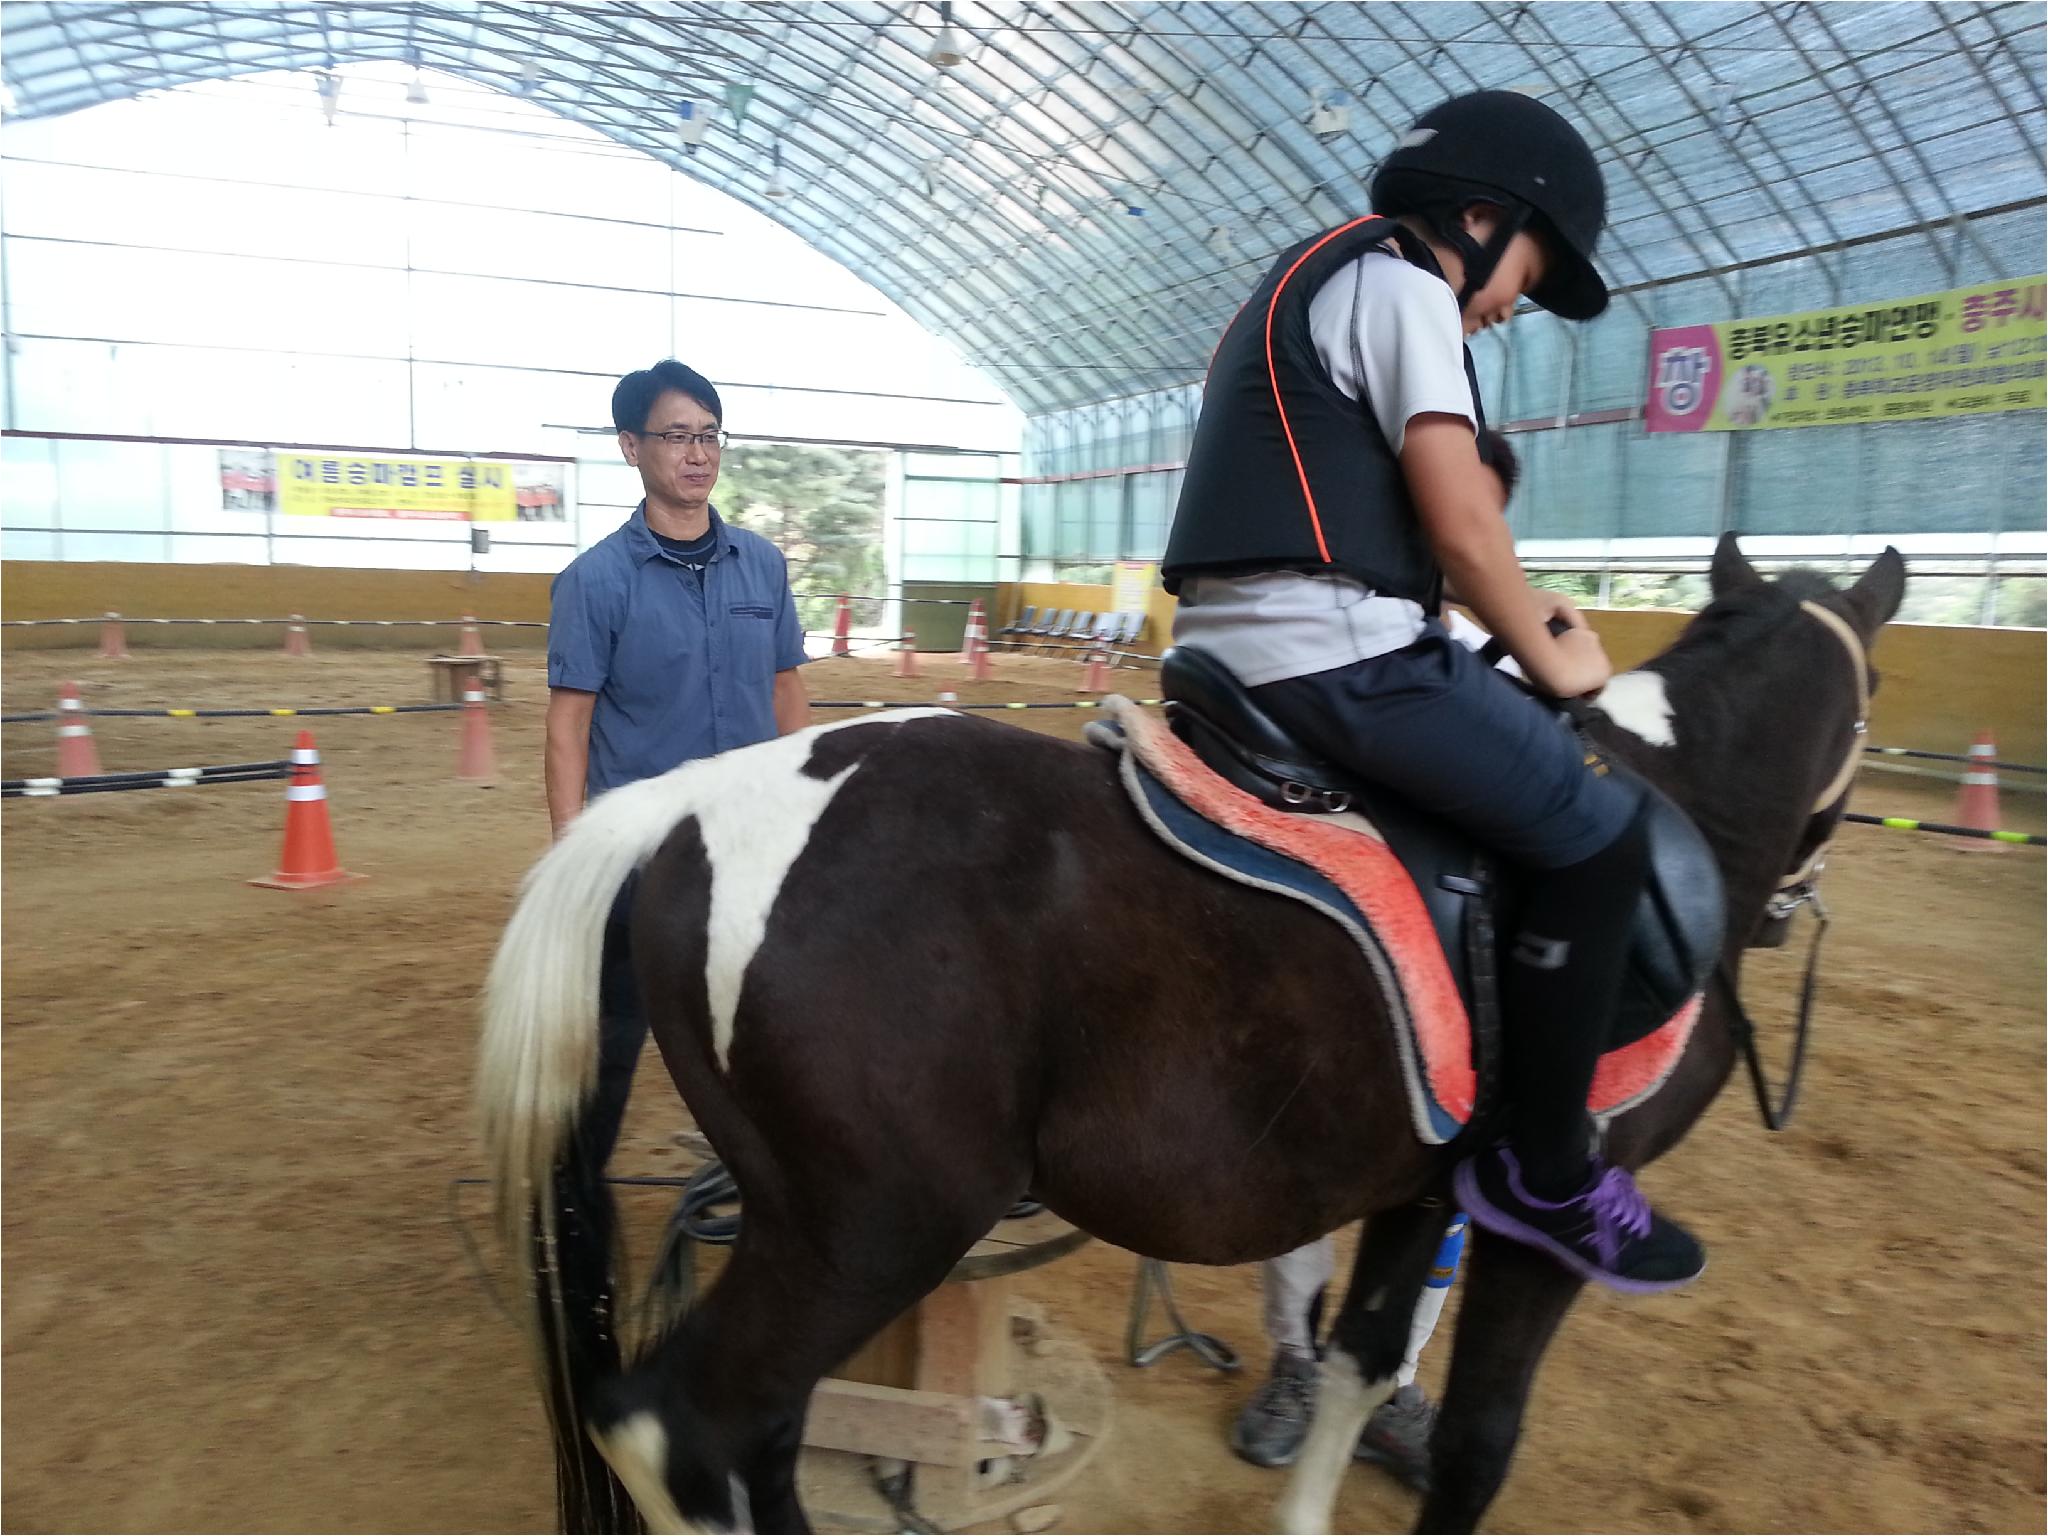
[(907, 967)]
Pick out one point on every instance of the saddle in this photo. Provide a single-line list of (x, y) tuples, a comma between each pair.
[(1230, 787)]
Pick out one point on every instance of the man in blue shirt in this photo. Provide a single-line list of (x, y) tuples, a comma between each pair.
[(674, 637)]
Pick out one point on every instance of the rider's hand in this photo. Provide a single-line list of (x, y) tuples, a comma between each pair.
[(1556, 607), (1574, 665)]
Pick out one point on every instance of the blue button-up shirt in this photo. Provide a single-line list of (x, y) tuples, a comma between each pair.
[(682, 667)]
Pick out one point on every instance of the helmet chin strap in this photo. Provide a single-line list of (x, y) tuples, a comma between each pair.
[(1481, 260)]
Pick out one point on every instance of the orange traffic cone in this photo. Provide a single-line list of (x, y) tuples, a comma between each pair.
[(113, 639), (308, 839), (1095, 674), (977, 630), (77, 757), (842, 627), (472, 639), (906, 655), (296, 641), (474, 760), (1977, 800)]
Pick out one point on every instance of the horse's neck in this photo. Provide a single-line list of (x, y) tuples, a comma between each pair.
[(1741, 765)]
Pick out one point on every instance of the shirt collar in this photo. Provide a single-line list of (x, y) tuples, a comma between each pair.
[(640, 538)]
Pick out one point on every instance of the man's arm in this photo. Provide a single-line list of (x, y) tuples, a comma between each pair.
[(792, 701), (1457, 499), (567, 754)]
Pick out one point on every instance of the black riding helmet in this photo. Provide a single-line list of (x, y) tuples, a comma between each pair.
[(1508, 149)]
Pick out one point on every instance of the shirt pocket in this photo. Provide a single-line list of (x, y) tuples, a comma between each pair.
[(751, 630)]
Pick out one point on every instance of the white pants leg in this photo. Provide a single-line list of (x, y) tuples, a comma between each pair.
[(1291, 1282)]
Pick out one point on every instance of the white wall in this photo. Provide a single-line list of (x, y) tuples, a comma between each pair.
[(471, 276)]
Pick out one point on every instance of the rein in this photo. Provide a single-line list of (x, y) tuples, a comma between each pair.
[(1799, 889)]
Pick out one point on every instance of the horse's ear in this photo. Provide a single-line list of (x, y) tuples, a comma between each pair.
[(1879, 591), (1731, 570)]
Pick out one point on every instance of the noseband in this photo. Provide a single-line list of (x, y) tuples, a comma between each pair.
[(1801, 888)]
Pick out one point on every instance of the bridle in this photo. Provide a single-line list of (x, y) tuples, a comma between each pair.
[(1801, 888)]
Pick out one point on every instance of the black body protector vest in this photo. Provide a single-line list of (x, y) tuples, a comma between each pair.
[(1287, 472)]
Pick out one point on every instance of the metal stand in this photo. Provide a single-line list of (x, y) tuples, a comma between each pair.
[(1211, 1350)]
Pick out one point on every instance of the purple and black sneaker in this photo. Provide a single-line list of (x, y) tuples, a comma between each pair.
[(1606, 1233)]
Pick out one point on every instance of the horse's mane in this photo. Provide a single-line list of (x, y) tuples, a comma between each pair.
[(1736, 619)]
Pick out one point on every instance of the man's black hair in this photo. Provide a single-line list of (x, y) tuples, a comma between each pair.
[(637, 392)]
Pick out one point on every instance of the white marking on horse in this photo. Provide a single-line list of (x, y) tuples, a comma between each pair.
[(636, 1448), (1343, 1403), (755, 809), (750, 840), (1637, 702)]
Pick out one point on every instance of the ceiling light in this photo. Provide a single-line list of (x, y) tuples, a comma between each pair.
[(777, 189), (945, 50), (529, 75), (329, 85), (416, 93)]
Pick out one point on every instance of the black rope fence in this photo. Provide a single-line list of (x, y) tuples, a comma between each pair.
[(802, 598), (963, 704), (1955, 757), (117, 618), (1944, 829), (154, 778), (274, 712)]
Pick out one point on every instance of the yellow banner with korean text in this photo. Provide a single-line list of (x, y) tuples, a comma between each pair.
[(426, 490), (1131, 589), (1959, 353)]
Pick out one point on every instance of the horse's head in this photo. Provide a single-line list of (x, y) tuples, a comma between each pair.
[(1867, 605), (1769, 693)]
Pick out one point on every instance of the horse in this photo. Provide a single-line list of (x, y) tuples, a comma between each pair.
[(904, 969)]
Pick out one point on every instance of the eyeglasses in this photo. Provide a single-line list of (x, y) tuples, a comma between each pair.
[(684, 439)]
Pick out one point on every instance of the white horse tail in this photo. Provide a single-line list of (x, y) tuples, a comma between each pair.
[(536, 1075)]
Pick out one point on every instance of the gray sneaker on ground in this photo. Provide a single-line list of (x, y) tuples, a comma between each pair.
[(1269, 1432), (1397, 1437)]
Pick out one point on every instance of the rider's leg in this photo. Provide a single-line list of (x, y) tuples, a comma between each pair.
[(1549, 1187), (1438, 727), (1563, 969)]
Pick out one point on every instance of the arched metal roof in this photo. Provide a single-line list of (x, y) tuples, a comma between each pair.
[(1082, 202)]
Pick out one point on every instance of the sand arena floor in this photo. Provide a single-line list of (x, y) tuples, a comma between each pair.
[(234, 1299)]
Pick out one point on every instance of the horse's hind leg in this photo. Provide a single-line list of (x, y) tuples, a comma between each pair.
[(1368, 1341), (1514, 1299), (704, 1431)]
